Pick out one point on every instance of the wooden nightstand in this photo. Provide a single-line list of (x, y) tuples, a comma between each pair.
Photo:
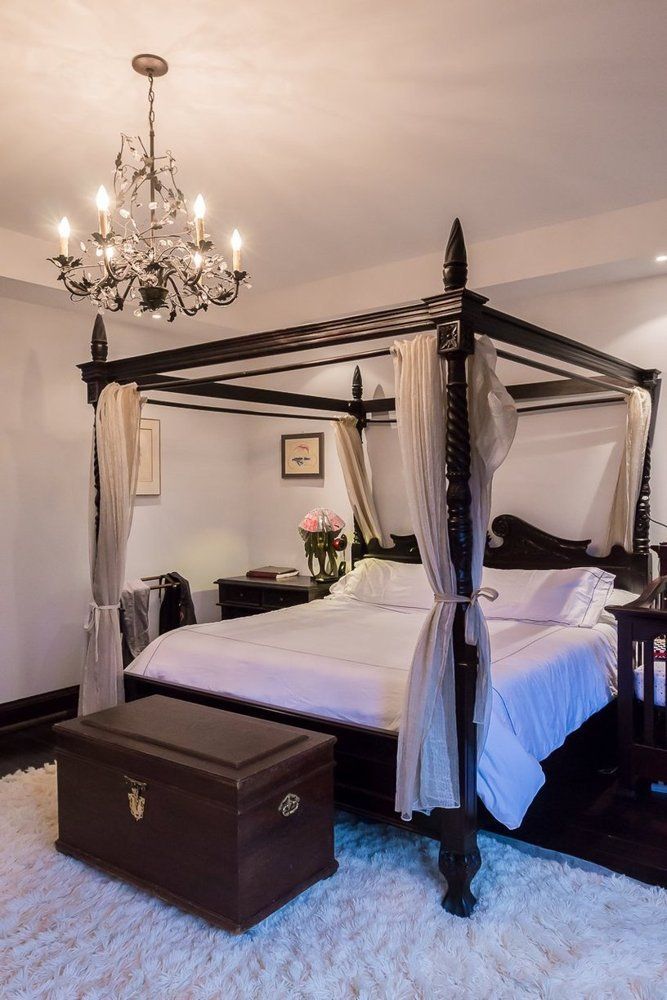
[(642, 733), (240, 596)]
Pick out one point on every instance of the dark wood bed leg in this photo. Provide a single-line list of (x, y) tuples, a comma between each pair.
[(459, 855), (459, 859), (459, 870)]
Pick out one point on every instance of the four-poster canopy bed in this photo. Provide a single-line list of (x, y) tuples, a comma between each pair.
[(366, 756)]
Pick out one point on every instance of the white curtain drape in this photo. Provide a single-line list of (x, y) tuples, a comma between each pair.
[(117, 424), (628, 484), (427, 768), (357, 481)]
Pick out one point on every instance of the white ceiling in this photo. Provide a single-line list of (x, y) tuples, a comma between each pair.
[(337, 135)]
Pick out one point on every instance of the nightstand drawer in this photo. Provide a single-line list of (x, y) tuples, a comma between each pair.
[(230, 611), (234, 593), (283, 598)]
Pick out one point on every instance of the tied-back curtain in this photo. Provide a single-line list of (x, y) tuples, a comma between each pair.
[(357, 481), (427, 774), (117, 423), (628, 484), (493, 422)]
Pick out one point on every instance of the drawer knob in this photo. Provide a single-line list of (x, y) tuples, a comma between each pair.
[(136, 798), (289, 804)]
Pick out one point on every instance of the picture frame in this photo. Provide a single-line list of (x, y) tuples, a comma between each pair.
[(149, 477), (302, 456)]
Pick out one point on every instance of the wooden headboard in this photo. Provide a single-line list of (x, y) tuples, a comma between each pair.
[(521, 545)]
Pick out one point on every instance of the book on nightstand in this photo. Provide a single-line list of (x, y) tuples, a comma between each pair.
[(272, 573)]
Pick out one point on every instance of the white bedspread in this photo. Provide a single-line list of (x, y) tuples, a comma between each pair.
[(347, 660)]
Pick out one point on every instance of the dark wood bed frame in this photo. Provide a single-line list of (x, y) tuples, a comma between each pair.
[(366, 758)]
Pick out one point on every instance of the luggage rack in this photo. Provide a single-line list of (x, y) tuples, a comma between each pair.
[(160, 586)]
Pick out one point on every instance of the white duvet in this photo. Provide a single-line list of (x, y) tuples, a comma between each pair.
[(348, 660)]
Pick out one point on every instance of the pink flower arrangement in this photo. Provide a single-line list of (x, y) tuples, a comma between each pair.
[(321, 519)]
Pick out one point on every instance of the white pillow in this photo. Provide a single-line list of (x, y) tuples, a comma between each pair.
[(574, 596), (617, 599), (388, 583)]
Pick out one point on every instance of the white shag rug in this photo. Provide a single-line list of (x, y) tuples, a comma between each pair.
[(375, 931)]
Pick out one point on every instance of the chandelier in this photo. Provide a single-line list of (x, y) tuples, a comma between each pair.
[(138, 252)]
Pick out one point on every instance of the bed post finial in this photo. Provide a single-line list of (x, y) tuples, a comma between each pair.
[(99, 345), (357, 384), (455, 267)]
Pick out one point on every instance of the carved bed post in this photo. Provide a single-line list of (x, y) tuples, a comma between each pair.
[(358, 410), (640, 537), (459, 854), (642, 528), (99, 352)]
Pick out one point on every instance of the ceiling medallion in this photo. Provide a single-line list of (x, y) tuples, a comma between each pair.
[(135, 253)]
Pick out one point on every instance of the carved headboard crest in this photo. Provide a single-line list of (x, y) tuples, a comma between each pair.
[(524, 546), (404, 549)]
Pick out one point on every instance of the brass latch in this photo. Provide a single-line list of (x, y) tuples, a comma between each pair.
[(136, 797), (289, 804)]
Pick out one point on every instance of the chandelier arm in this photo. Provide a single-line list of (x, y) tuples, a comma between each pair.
[(74, 294), (190, 282), (115, 276), (227, 298), (75, 289), (116, 307), (188, 310), (129, 286)]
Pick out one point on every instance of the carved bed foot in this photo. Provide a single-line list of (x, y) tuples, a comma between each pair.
[(459, 871)]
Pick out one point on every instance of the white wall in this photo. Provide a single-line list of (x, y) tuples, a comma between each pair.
[(197, 526), (579, 449), (278, 505)]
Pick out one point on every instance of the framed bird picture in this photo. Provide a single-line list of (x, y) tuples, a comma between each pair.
[(302, 456)]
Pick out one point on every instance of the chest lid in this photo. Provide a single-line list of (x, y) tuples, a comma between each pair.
[(206, 739)]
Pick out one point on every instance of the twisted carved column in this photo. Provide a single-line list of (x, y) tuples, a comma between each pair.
[(358, 410), (640, 541), (457, 450)]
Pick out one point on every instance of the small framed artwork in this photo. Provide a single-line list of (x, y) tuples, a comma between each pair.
[(148, 480), (302, 456)]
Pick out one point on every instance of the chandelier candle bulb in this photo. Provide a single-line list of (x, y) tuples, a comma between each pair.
[(237, 243), (200, 212), (63, 233), (102, 202)]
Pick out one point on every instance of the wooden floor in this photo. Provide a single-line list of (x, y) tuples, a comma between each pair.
[(582, 817), (29, 747)]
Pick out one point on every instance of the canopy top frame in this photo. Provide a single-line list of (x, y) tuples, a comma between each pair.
[(455, 315)]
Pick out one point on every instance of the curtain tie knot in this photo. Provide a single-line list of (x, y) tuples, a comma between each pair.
[(488, 592), (92, 623)]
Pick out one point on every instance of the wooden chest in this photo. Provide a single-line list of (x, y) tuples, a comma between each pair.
[(224, 815)]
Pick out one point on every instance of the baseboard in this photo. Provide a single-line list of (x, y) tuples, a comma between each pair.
[(48, 707)]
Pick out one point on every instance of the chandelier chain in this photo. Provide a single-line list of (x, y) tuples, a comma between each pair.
[(151, 99)]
